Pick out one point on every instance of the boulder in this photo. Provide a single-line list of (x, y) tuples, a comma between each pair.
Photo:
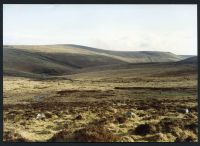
[(79, 117), (40, 116), (130, 114), (183, 111)]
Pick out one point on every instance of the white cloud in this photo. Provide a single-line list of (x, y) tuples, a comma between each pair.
[(127, 27)]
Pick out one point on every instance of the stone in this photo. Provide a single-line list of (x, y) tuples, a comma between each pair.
[(130, 114), (40, 116)]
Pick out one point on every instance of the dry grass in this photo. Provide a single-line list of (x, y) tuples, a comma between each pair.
[(93, 108)]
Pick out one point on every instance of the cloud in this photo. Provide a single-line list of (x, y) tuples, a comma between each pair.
[(115, 29)]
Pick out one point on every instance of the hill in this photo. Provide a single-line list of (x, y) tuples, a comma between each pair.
[(41, 60), (186, 56), (191, 60), (134, 56)]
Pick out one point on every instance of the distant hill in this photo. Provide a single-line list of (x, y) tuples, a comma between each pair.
[(191, 60), (41, 60), (134, 56), (186, 56)]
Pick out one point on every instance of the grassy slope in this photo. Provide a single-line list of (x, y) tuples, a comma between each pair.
[(186, 56), (34, 61), (153, 91), (190, 60), (135, 56)]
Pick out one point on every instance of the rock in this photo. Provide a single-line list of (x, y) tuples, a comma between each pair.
[(130, 114), (40, 116), (79, 117), (186, 111), (183, 111)]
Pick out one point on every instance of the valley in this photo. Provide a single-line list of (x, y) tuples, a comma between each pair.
[(93, 95)]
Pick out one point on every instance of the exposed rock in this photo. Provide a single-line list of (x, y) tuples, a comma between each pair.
[(183, 111), (79, 117), (130, 114), (40, 116)]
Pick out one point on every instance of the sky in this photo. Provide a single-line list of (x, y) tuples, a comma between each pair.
[(168, 28)]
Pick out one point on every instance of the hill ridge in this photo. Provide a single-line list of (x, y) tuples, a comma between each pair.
[(69, 58)]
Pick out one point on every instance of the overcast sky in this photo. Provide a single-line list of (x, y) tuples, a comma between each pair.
[(169, 28)]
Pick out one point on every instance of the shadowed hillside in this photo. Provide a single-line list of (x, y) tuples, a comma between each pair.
[(41, 60), (135, 56), (186, 56), (191, 60)]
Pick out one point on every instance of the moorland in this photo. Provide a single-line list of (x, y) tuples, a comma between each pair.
[(73, 93)]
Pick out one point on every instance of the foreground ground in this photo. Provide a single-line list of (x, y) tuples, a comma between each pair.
[(133, 103)]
